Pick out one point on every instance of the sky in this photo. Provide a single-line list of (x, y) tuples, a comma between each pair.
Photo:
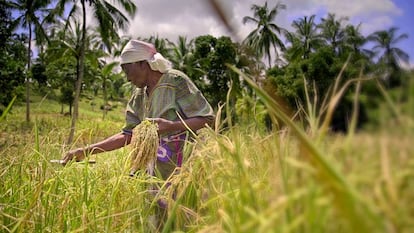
[(172, 18)]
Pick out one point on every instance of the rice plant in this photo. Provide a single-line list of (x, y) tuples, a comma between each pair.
[(144, 144), (291, 179)]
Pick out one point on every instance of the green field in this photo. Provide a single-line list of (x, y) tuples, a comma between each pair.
[(314, 125), (236, 180)]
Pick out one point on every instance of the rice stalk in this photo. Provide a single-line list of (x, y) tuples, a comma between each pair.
[(3, 115), (311, 111), (144, 144), (407, 122), (358, 211), (355, 112), (334, 101)]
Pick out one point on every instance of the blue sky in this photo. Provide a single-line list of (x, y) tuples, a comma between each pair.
[(173, 18), (405, 22), (169, 19)]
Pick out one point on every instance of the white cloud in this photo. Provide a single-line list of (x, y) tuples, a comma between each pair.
[(373, 14), (169, 19), (191, 18), (357, 7), (194, 17)]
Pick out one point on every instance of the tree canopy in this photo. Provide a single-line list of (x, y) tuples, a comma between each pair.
[(78, 59)]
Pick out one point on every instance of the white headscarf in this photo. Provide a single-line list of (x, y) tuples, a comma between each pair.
[(136, 50)]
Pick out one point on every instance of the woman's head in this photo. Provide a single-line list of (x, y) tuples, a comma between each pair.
[(136, 51)]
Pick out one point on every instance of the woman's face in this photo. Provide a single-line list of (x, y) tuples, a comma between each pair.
[(136, 73)]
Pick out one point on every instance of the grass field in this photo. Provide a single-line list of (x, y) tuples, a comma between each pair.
[(237, 180)]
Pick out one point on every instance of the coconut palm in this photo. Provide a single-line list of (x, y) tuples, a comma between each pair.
[(354, 43), (117, 47), (162, 45), (353, 38), (390, 56), (266, 33), (30, 16), (385, 43), (65, 51), (306, 37), (182, 55), (107, 79), (109, 19), (333, 31)]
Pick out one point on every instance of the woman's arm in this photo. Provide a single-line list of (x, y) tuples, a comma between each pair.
[(114, 142), (194, 123)]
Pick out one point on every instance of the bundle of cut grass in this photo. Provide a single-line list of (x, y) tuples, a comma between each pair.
[(144, 144)]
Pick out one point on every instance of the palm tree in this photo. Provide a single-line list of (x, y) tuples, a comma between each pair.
[(117, 47), (390, 55), (353, 43), (182, 55), (107, 79), (266, 33), (386, 41), (65, 49), (305, 39), (333, 31), (162, 45), (248, 62), (109, 19), (30, 15), (353, 38)]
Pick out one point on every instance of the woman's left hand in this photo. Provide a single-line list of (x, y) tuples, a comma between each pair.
[(164, 125)]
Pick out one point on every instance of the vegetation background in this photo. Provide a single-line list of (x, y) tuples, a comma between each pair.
[(311, 135)]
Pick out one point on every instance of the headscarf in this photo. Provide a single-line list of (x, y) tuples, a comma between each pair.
[(136, 50)]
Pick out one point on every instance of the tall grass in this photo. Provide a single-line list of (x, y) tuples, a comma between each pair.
[(7, 109), (239, 180), (291, 180)]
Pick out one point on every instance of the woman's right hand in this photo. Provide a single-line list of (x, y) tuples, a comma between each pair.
[(77, 154)]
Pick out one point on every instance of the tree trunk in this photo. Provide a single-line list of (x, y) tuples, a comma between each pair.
[(105, 107), (29, 53), (79, 74)]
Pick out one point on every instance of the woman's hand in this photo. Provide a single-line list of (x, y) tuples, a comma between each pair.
[(77, 154), (164, 125)]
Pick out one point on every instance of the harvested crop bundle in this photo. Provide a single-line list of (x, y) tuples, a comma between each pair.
[(144, 144)]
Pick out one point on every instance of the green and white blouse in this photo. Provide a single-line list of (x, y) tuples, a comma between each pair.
[(174, 96)]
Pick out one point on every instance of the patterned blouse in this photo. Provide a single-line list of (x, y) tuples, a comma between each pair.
[(174, 96)]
